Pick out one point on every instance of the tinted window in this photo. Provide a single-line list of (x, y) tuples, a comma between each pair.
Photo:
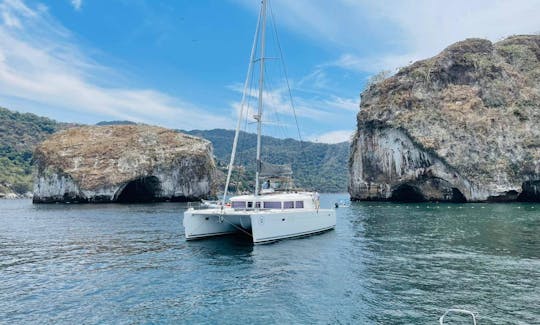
[(272, 205), (288, 205), (299, 204), (250, 205), (239, 204)]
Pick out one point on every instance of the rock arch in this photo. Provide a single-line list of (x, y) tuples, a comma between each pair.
[(427, 189), (407, 193), (457, 196), (143, 189), (530, 191)]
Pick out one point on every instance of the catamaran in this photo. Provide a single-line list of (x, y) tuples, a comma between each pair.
[(275, 210)]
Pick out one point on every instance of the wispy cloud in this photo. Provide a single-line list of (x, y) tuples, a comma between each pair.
[(321, 112), (77, 4), (333, 136), (278, 101), (340, 103), (389, 62), (386, 34), (42, 65)]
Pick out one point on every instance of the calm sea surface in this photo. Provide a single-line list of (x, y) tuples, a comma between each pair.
[(383, 264)]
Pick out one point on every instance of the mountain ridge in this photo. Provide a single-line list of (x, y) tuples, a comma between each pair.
[(316, 166), (20, 133)]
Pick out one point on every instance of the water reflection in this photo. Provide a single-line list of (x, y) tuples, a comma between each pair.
[(448, 255), (384, 263), (239, 246)]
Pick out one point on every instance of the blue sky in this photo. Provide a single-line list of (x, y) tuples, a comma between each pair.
[(181, 64)]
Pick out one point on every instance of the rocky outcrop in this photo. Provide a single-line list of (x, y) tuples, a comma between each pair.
[(122, 163), (461, 126)]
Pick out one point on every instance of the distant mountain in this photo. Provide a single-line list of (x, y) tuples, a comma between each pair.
[(115, 123), (19, 134), (317, 166)]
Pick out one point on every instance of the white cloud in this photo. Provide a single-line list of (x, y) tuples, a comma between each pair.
[(384, 62), (42, 66), (430, 26), (277, 102), (10, 20), (77, 4), (386, 34), (347, 104), (333, 136)]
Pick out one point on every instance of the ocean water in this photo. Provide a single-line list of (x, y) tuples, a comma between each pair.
[(383, 264)]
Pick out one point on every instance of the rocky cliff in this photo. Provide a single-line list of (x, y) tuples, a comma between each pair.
[(461, 126), (122, 163)]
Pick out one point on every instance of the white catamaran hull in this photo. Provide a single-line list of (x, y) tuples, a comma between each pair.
[(275, 210), (263, 226)]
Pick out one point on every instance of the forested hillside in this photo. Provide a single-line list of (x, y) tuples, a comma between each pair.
[(317, 166), (19, 134)]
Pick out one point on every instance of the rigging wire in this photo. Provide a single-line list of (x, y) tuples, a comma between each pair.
[(280, 86), (273, 20), (267, 89), (245, 134), (280, 127), (237, 131)]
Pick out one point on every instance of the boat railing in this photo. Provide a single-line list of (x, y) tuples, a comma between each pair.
[(203, 205), (217, 204), (459, 311), (265, 209)]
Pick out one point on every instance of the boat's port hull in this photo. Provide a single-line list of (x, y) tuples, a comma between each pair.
[(263, 226), (199, 225)]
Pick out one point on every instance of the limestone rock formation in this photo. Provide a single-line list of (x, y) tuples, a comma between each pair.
[(122, 163), (461, 126)]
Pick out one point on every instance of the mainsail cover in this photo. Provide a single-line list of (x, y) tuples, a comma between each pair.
[(273, 170)]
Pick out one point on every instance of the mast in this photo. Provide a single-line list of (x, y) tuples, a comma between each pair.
[(258, 117), (241, 113)]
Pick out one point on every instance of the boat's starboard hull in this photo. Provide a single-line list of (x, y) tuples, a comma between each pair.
[(276, 226)]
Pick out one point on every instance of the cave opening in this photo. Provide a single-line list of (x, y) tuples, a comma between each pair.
[(530, 192), (457, 196), (407, 193), (140, 190)]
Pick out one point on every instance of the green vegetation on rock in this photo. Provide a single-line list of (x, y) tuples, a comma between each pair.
[(316, 166), (460, 126), (19, 134)]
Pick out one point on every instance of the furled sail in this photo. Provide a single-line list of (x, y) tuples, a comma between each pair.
[(273, 170)]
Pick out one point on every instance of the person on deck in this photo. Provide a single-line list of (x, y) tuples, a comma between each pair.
[(266, 184), (316, 200)]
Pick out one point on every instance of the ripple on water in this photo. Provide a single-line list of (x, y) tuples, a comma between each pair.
[(384, 263)]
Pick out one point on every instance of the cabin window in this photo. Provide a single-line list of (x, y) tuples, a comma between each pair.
[(250, 205), (272, 205), (299, 204), (239, 204), (257, 205), (288, 205)]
